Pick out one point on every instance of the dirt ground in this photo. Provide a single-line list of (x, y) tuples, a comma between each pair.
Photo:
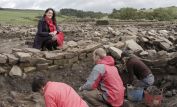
[(16, 91)]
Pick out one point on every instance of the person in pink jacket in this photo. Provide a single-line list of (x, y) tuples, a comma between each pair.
[(57, 94), (104, 85)]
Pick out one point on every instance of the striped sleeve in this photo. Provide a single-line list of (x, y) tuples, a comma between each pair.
[(94, 78)]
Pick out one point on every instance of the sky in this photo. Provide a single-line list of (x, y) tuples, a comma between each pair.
[(87, 5)]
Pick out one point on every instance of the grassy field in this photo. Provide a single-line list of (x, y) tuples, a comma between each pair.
[(23, 17)]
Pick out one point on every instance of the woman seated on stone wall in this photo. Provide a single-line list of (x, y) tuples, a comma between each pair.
[(48, 35)]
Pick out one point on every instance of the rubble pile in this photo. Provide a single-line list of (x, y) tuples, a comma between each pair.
[(156, 47), (155, 44)]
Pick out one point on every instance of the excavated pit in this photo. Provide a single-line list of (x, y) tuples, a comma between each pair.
[(79, 38)]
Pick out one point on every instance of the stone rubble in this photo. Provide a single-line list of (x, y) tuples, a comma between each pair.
[(155, 45)]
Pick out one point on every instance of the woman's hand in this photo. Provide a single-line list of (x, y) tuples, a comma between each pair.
[(51, 33), (55, 32), (54, 38), (54, 35)]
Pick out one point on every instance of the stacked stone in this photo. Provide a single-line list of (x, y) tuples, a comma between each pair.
[(27, 60)]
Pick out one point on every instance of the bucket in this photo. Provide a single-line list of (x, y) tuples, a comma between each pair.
[(134, 94), (153, 100)]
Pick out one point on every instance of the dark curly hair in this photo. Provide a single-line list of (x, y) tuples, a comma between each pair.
[(126, 53), (38, 82), (54, 15)]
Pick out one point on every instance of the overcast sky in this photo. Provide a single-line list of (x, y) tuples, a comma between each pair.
[(93, 5)]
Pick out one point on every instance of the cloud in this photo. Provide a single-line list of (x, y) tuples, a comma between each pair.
[(89, 5)]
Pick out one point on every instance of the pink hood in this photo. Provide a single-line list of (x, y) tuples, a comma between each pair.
[(107, 60)]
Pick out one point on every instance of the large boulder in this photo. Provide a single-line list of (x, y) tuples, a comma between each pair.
[(115, 52), (163, 32), (15, 71), (164, 45), (152, 33), (165, 40), (132, 45), (12, 59), (119, 44), (24, 57)]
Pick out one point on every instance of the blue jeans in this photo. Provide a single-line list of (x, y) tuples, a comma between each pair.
[(148, 81)]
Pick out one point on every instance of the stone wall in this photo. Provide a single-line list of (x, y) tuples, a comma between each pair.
[(22, 61), (156, 45)]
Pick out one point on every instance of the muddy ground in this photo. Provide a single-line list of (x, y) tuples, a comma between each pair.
[(16, 91)]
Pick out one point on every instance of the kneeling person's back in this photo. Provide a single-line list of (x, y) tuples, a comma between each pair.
[(104, 84), (61, 95), (57, 94)]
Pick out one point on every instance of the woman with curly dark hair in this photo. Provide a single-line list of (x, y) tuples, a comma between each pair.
[(48, 34)]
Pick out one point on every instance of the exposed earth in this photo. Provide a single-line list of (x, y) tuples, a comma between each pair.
[(16, 91)]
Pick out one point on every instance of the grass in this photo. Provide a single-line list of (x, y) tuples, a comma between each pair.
[(24, 17)]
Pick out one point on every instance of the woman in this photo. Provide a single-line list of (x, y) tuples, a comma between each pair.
[(48, 34)]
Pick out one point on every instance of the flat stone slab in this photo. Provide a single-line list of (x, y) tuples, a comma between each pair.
[(43, 66), (115, 52), (52, 55), (23, 56), (72, 44), (131, 44), (29, 69), (164, 45), (12, 59)]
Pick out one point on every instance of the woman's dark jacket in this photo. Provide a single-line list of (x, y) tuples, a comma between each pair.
[(42, 34)]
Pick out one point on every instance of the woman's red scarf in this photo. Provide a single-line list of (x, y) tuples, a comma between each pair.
[(52, 27)]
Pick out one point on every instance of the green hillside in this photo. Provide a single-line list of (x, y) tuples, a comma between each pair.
[(23, 17)]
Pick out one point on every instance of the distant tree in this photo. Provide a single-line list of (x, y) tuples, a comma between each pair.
[(81, 14), (124, 13), (143, 9), (161, 14)]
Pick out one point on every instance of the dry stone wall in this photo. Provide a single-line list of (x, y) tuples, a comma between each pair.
[(28, 60), (155, 44)]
